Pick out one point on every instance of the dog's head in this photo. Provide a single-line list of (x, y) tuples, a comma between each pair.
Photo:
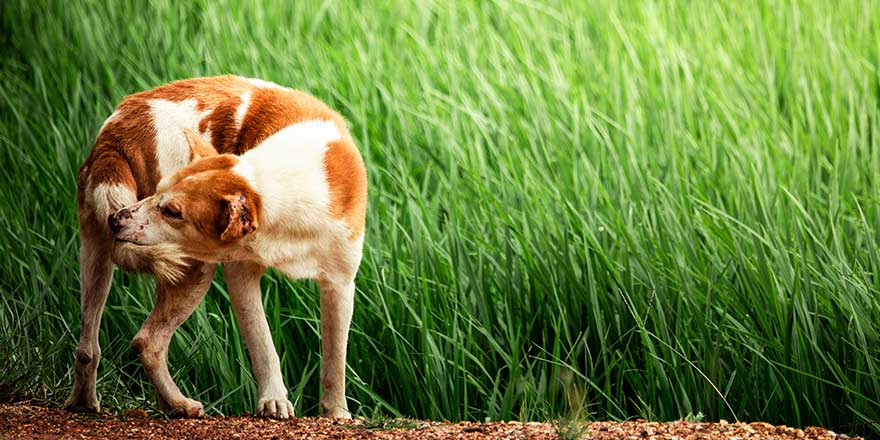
[(205, 209)]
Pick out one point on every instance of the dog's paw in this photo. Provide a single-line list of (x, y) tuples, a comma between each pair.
[(186, 408), (82, 404), (335, 411), (276, 408)]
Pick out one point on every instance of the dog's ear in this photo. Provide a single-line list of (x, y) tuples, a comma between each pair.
[(240, 217), (198, 148)]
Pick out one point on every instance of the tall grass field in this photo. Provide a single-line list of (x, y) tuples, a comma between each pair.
[(603, 209)]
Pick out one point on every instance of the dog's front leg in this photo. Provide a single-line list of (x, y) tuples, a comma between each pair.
[(243, 279), (174, 303), (337, 305)]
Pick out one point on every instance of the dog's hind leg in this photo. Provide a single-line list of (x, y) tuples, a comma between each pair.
[(94, 204), (174, 303), (96, 272), (243, 279)]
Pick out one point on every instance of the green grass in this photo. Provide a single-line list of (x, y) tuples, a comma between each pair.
[(640, 208), (382, 423)]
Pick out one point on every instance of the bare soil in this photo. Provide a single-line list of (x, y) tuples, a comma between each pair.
[(26, 420)]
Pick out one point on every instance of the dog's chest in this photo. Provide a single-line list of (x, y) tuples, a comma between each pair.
[(296, 257)]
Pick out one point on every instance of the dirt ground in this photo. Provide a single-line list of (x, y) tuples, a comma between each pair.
[(26, 420)]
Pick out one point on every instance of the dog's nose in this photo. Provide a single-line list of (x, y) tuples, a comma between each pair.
[(113, 220), (113, 223)]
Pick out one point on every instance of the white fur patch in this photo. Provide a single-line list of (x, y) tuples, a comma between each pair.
[(265, 84), (287, 169), (169, 120), (300, 266), (242, 109), (108, 198)]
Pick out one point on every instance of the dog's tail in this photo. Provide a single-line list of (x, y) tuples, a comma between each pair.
[(105, 184)]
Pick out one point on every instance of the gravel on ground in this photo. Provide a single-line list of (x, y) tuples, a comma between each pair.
[(28, 420)]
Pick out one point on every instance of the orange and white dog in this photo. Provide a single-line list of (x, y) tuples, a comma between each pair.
[(223, 170)]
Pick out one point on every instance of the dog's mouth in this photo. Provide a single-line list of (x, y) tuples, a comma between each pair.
[(119, 240)]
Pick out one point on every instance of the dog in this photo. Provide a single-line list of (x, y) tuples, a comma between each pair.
[(221, 170)]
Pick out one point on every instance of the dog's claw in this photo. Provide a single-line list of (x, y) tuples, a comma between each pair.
[(276, 408)]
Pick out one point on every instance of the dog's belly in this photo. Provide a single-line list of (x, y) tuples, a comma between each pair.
[(296, 257), (300, 268)]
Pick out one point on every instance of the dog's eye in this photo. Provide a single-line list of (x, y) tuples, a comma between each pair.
[(172, 213)]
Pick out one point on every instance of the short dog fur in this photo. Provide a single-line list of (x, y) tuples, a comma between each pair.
[(222, 170)]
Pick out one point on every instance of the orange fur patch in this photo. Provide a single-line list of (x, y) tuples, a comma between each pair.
[(347, 180), (198, 148), (211, 194)]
